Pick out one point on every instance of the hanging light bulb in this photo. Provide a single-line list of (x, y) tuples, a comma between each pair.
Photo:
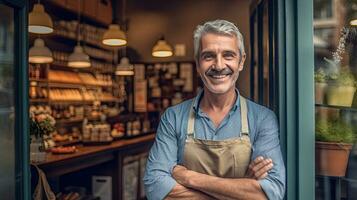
[(124, 68), (162, 49), (353, 22), (39, 21), (78, 59), (114, 36), (353, 14), (39, 53)]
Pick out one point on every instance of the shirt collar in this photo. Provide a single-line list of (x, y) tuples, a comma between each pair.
[(199, 96)]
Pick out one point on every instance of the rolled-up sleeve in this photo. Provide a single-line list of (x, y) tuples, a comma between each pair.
[(267, 145), (162, 158)]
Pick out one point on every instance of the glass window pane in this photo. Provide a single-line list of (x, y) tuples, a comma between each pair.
[(7, 114), (335, 44)]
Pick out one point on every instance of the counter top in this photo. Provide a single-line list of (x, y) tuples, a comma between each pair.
[(86, 156)]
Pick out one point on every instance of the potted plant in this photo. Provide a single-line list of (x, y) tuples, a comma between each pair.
[(40, 125), (320, 86), (341, 85), (334, 140)]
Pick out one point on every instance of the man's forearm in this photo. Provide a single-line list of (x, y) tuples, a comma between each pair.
[(225, 188), (182, 192)]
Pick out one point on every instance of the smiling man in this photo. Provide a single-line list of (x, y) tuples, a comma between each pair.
[(218, 145)]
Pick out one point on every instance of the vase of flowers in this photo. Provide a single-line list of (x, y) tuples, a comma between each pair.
[(40, 125)]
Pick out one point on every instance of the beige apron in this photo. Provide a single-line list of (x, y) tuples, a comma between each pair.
[(227, 158)]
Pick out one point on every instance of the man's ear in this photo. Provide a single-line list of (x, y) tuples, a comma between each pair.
[(241, 63)]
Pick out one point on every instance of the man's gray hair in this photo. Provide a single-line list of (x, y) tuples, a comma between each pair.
[(221, 27)]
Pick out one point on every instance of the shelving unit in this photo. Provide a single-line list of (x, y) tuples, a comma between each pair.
[(96, 15), (168, 78), (336, 107)]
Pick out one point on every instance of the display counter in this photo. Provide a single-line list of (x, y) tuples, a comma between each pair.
[(76, 169)]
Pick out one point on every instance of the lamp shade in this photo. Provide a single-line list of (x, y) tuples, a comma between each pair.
[(78, 59), (39, 21), (114, 36), (124, 68), (162, 49), (353, 22), (39, 53)]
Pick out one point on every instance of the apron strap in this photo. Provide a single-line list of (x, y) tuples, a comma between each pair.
[(191, 121), (244, 116)]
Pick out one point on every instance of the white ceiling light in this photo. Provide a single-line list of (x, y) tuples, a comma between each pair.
[(124, 68), (39, 21), (39, 53), (78, 59), (162, 49), (114, 36), (353, 22)]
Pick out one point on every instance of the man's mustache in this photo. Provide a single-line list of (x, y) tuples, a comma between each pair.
[(214, 72)]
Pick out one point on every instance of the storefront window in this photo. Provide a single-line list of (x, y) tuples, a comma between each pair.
[(7, 114), (335, 45)]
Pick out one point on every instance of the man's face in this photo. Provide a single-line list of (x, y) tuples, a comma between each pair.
[(219, 62)]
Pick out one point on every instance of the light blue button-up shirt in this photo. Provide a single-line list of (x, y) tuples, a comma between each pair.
[(168, 148)]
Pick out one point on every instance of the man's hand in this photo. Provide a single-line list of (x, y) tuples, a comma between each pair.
[(216, 187), (181, 174), (258, 168)]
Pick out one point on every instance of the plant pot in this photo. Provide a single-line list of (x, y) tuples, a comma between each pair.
[(320, 91), (331, 158), (37, 153), (340, 95)]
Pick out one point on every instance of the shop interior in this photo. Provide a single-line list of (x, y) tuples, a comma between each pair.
[(83, 84), (96, 102)]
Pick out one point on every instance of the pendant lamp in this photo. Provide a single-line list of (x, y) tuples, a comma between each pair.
[(114, 36), (78, 59), (352, 13), (39, 21), (124, 68), (39, 53), (162, 49)]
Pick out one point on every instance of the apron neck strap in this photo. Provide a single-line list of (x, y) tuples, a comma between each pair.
[(191, 121), (243, 114)]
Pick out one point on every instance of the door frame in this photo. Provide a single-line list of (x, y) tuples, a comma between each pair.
[(22, 140), (297, 93), (291, 39)]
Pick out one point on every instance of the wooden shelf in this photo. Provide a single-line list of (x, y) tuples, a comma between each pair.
[(70, 101), (67, 143), (80, 119), (60, 66), (38, 80), (336, 107), (74, 85), (66, 102), (72, 120), (39, 100)]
